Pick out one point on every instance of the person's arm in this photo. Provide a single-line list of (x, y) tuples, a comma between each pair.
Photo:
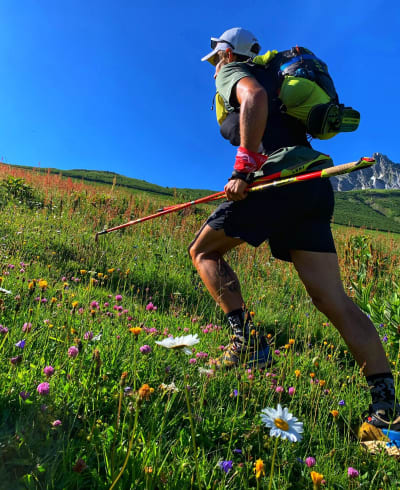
[(253, 101)]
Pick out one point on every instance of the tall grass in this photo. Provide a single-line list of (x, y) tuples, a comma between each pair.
[(117, 412)]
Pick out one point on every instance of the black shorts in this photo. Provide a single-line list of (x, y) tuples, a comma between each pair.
[(293, 217)]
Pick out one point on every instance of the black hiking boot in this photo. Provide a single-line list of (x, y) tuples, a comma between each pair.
[(245, 347)]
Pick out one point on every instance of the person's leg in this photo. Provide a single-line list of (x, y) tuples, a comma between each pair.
[(320, 274), (207, 251)]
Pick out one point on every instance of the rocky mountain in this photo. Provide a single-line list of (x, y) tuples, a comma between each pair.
[(383, 175)]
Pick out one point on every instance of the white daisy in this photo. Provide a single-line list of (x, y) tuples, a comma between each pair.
[(282, 423), (180, 343)]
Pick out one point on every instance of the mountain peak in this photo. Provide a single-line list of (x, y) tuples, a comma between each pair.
[(383, 175)]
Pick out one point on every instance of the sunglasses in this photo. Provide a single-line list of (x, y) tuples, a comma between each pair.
[(215, 41)]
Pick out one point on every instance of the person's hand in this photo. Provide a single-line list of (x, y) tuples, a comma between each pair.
[(235, 189)]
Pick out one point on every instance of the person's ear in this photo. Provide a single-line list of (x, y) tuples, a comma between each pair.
[(231, 56)]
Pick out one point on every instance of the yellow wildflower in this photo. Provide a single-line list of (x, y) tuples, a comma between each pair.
[(43, 284), (83, 271), (1, 279), (110, 271), (316, 479), (135, 330), (312, 375), (259, 468), (334, 413), (322, 382), (75, 304), (31, 285), (291, 341), (53, 299), (297, 373)]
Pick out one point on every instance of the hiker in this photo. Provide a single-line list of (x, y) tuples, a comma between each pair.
[(294, 219)]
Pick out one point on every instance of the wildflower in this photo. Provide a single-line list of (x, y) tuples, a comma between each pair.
[(79, 466), (48, 371), (259, 468), (145, 391), (277, 352), (24, 395), (3, 329), (226, 466), (20, 344), (312, 375), (73, 351), (207, 372), (171, 388), (83, 271), (282, 423), (56, 423), (316, 479), (322, 382), (135, 330), (385, 338), (27, 327), (75, 304), (342, 403), (43, 284), (291, 341), (180, 343), (16, 360), (145, 349), (94, 305), (88, 335), (43, 388), (31, 285), (352, 472), (118, 297), (192, 360), (201, 355), (291, 391), (334, 413), (148, 469), (151, 307), (279, 389), (310, 462), (297, 373)]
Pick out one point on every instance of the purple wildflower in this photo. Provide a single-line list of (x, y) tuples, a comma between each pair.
[(118, 297), (56, 423), (24, 395), (310, 462), (226, 466), (43, 388), (145, 349), (291, 391), (3, 329), (352, 472), (342, 403), (48, 371), (20, 344), (88, 335), (73, 351), (27, 327), (151, 307), (16, 360)]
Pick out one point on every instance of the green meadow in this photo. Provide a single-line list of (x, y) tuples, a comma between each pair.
[(88, 400)]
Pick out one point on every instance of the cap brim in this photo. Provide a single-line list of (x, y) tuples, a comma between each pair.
[(220, 47)]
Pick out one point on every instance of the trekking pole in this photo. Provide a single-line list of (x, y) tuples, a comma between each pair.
[(256, 186)]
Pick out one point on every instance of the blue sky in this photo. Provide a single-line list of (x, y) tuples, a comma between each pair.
[(118, 86)]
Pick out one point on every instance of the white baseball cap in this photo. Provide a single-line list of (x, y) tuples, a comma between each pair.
[(238, 39)]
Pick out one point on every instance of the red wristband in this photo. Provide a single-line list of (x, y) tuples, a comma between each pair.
[(248, 161)]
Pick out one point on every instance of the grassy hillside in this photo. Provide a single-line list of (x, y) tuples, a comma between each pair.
[(374, 209), (89, 400)]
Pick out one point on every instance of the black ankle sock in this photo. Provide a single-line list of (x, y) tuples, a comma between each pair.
[(382, 388), (236, 318)]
